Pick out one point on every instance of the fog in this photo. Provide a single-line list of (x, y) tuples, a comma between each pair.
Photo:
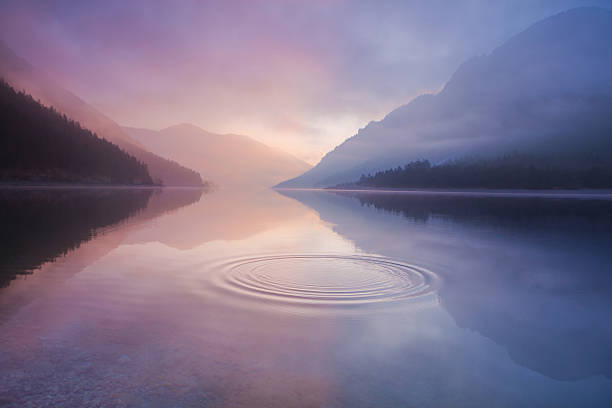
[(547, 90)]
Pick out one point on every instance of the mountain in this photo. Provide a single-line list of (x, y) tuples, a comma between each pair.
[(23, 76), (39, 144), (226, 159), (548, 90)]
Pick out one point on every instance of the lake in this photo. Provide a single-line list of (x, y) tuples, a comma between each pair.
[(184, 298)]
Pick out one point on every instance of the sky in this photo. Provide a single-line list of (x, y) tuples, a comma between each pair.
[(298, 75)]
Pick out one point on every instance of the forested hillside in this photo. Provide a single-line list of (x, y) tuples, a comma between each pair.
[(547, 90), (513, 171), (38, 144), (21, 75)]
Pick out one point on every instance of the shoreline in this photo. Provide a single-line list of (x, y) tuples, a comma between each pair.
[(548, 193), (77, 186)]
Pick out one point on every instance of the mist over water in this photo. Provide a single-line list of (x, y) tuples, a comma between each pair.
[(307, 299)]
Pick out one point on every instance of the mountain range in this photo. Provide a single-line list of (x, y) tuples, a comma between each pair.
[(229, 159), (39, 144), (22, 76), (547, 90), (170, 154)]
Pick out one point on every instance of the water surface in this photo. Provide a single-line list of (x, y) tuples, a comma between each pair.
[(166, 298)]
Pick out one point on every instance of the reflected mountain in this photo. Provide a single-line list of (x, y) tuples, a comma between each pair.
[(40, 225), (228, 215), (43, 225), (530, 273), (507, 212)]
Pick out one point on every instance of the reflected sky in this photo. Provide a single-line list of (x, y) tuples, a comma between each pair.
[(216, 300)]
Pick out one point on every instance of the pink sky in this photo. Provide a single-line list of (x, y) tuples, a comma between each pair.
[(299, 75)]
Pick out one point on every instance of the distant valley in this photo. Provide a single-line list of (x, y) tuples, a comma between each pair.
[(227, 160), (181, 155)]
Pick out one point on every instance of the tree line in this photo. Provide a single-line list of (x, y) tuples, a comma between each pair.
[(37, 143), (514, 171)]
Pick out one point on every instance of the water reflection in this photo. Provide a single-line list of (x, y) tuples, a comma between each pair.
[(40, 225), (228, 215), (253, 298), (45, 230), (322, 284), (533, 274)]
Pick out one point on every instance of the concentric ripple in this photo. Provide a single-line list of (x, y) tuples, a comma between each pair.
[(325, 279)]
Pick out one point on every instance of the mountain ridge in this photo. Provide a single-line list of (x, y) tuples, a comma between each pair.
[(39, 144), (21, 75), (548, 85), (228, 159)]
